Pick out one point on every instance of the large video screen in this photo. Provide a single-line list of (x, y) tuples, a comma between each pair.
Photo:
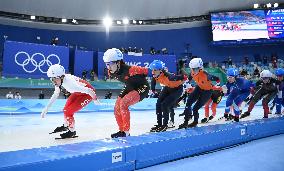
[(254, 24)]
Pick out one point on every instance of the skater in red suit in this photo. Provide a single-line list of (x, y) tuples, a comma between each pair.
[(82, 93), (136, 88)]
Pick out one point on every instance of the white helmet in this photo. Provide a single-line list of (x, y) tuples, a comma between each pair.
[(55, 71), (265, 74), (196, 63), (112, 55)]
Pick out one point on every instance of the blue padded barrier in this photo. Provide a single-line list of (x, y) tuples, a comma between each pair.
[(137, 152), (181, 143), (96, 155), (265, 127)]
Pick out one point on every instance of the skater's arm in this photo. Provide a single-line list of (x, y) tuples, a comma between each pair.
[(174, 77), (153, 84), (134, 70), (213, 78), (53, 97), (51, 101)]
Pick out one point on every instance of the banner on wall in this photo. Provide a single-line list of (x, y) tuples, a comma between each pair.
[(84, 60), (29, 60), (144, 60)]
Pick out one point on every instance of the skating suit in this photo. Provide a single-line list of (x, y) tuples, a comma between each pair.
[(266, 92), (279, 99), (237, 92), (201, 93), (79, 98), (173, 88), (214, 100), (136, 89)]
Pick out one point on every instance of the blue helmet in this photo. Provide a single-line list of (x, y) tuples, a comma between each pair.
[(279, 72), (232, 72), (157, 65)]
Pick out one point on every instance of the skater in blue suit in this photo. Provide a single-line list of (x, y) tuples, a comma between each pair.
[(237, 89), (279, 101)]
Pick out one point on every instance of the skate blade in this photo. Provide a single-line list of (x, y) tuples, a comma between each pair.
[(60, 138)]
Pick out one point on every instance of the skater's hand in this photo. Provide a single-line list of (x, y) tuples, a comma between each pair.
[(224, 89), (44, 111)]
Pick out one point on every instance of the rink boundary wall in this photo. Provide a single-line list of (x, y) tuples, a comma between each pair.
[(35, 106), (137, 152)]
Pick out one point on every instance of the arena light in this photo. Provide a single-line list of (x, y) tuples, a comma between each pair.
[(134, 21), (140, 22), (276, 5), (268, 5), (118, 22), (255, 5), (63, 20), (125, 21), (107, 22), (33, 17)]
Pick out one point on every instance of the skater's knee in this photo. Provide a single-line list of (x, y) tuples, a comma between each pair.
[(68, 112), (123, 105)]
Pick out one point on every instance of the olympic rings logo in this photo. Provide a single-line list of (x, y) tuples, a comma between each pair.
[(35, 64)]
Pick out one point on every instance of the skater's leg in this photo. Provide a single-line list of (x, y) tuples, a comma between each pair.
[(265, 102), (172, 115), (206, 108), (187, 111), (164, 93), (129, 99), (255, 98), (238, 101), (216, 98), (169, 101), (278, 104), (213, 109), (117, 114), (190, 100), (74, 103), (203, 98)]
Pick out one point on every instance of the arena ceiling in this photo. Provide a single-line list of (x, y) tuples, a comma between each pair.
[(119, 9)]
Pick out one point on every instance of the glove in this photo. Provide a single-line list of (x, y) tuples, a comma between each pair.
[(44, 111), (217, 82), (224, 89), (185, 78), (151, 93), (247, 100)]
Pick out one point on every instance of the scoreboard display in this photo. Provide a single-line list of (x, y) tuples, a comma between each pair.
[(275, 23), (250, 24)]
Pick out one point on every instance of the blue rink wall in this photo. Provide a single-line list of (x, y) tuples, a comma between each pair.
[(139, 151), (133, 152), (35, 106)]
